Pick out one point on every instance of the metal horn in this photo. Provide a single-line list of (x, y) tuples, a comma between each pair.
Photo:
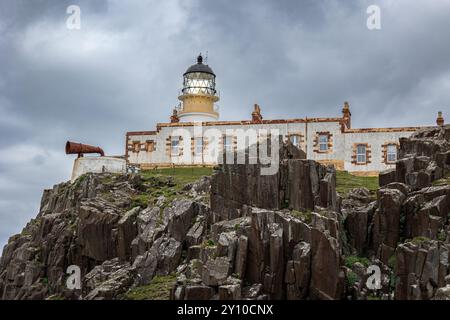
[(80, 149)]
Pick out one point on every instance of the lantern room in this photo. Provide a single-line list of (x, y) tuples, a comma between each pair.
[(198, 94)]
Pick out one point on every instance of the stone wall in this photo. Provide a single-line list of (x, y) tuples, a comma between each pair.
[(97, 165)]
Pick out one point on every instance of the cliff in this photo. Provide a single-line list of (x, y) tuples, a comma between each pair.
[(240, 235)]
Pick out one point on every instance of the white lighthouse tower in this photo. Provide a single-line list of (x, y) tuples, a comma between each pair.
[(198, 94)]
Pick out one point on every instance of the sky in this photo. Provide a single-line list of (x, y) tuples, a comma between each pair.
[(122, 70)]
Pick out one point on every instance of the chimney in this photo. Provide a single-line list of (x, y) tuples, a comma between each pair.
[(440, 119), (346, 116), (256, 114), (174, 117)]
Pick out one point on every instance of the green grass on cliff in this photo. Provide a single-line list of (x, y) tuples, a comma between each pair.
[(158, 289), (140, 200), (304, 216), (351, 260), (181, 176), (442, 182), (166, 182), (346, 181), (351, 278)]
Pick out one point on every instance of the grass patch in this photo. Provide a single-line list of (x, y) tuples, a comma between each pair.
[(109, 178), (442, 182), (25, 232), (351, 278), (140, 200), (419, 240), (181, 176), (169, 182), (304, 216), (346, 181), (442, 236), (158, 289), (208, 243), (79, 181), (351, 260)]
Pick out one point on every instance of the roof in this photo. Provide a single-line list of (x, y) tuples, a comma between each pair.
[(199, 67)]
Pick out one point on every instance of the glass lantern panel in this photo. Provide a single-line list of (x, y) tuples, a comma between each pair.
[(199, 83)]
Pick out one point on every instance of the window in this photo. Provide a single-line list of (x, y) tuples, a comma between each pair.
[(323, 142), (150, 145), (361, 153), (295, 140), (228, 144), (391, 153), (175, 146), (198, 146), (136, 146)]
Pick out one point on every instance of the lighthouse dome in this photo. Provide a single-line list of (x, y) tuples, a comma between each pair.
[(199, 67)]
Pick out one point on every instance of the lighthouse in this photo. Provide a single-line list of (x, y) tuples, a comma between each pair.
[(198, 94), (195, 129)]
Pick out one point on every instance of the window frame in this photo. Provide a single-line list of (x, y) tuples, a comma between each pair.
[(362, 154), (150, 145), (296, 136), (136, 146), (323, 143), (175, 147), (388, 146)]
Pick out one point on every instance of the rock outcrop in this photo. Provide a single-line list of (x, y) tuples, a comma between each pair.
[(278, 234), (424, 157), (242, 235), (299, 184), (98, 223), (421, 268)]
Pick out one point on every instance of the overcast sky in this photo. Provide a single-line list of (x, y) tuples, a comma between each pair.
[(122, 71)]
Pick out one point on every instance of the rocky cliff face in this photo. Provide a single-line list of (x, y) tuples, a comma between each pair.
[(240, 235), (102, 224)]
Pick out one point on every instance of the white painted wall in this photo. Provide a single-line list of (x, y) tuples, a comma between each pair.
[(336, 153), (376, 141), (97, 165), (342, 143), (197, 116)]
